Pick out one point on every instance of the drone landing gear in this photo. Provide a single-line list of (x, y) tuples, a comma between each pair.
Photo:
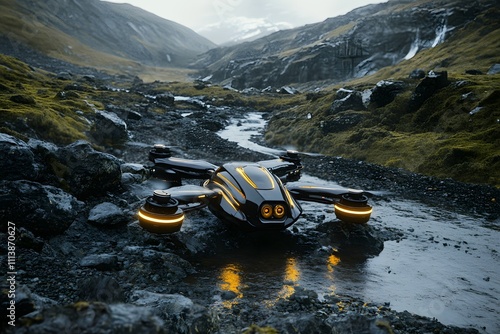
[(161, 213), (353, 208)]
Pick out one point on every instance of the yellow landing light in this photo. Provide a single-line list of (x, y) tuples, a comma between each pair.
[(158, 223), (351, 214)]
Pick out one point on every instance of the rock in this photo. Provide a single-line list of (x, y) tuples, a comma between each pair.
[(181, 315), (347, 100), (385, 92), (107, 215), (359, 241), (417, 74), (88, 172), (166, 304), (95, 317), (28, 240), (473, 72), (288, 90), (433, 82), (43, 210), (100, 288), (124, 113), (108, 129), (360, 324), (18, 161), (494, 69), (341, 122), (23, 99), (167, 99), (47, 162), (103, 262), (64, 75)]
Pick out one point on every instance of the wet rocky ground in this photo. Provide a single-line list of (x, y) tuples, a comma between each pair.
[(105, 274)]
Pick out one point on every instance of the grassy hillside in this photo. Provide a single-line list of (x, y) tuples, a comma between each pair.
[(455, 133)]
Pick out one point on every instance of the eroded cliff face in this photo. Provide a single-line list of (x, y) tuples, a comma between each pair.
[(350, 46)]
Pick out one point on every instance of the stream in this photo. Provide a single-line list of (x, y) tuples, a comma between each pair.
[(446, 266)]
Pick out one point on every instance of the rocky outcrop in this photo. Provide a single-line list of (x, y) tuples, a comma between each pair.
[(43, 210), (87, 172), (341, 48)]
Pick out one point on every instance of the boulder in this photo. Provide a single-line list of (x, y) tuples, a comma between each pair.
[(94, 317), (347, 100), (107, 215), (44, 210), (124, 113), (18, 160), (167, 99), (417, 74), (88, 172), (385, 91), (181, 315), (103, 262), (23, 99), (433, 82), (100, 288), (494, 69), (108, 129)]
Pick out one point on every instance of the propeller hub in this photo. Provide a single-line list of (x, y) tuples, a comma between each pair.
[(159, 151), (161, 196)]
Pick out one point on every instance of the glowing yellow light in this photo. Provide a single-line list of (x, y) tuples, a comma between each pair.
[(266, 211), (227, 195), (271, 179), (279, 211), (241, 171), (368, 210), (231, 184), (161, 221)]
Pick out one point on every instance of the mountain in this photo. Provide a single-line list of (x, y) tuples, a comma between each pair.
[(98, 33), (236, 30), (338, 49)]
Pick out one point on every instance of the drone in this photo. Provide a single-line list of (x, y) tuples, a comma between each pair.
[(251, 196)]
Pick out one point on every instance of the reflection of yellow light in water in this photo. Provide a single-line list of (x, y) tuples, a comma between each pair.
[(231, 281), (332, 262), (292, 276)]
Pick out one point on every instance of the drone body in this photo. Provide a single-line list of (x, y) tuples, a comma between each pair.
[(249, 196)]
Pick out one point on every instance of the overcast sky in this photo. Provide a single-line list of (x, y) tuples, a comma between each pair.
[(198, 14)]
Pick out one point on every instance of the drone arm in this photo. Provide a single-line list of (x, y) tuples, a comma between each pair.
[(350, 205), (287, 167), (312, 193), (192, 197)]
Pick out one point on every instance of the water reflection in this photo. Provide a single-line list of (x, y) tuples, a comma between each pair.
[(230, 278), (332, 261), (290, 281)]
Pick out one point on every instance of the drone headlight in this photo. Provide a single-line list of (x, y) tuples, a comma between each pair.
[(266, 211), (279, 211)]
